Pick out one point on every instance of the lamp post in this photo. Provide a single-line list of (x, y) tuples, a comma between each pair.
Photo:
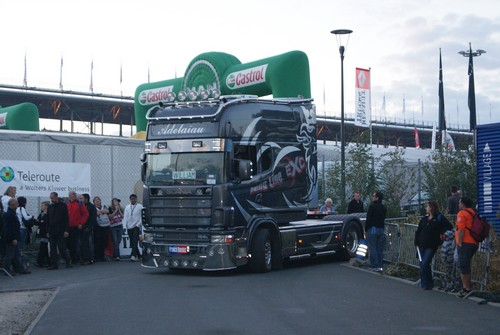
[(339, 33)]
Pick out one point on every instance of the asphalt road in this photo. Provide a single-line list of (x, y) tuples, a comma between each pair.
[(307, 297)]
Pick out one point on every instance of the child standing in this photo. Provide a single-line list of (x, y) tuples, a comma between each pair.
[(451, 280)]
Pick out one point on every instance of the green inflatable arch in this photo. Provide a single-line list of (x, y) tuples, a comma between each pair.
[(283, 76), (20, 117)]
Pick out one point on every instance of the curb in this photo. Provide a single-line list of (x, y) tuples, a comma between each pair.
[(42, 311), (479, 301)]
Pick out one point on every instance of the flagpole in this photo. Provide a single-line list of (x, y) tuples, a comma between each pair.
[(121, 80), (442, 117), (60, 75), (472, 92), (370, 108), (92, 76), (25, 79)]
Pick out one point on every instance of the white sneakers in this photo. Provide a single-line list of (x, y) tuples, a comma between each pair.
[(134, 259)]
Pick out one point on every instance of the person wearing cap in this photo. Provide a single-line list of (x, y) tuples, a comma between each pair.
[(116, 224), (132, 221)]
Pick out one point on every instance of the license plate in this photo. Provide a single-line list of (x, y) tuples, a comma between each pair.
[(178, 249)]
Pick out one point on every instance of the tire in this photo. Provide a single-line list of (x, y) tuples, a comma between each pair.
[(262, 252), (351, 234)]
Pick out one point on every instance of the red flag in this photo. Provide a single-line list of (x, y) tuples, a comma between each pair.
[(417, 139), (363, 104)]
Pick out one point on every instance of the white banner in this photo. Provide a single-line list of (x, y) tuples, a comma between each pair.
[(33, 178), (363, 103)]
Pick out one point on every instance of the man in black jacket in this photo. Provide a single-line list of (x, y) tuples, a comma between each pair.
[(375, 231), (58, 231), (356, 204), (12, 235)]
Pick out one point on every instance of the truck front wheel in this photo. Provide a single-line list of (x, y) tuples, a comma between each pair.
[(262, 252), (351, 235)]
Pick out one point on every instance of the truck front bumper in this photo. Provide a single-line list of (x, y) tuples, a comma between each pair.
[(209, 257)]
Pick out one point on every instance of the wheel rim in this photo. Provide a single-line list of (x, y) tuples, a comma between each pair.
[(352, 241)]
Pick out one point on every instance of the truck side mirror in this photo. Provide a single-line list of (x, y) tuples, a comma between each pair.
[(244, 167), (143, 167)]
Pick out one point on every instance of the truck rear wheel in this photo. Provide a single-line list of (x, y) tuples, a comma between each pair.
[(262, 252), (351, 235)]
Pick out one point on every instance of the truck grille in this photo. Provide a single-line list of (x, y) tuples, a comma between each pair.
[(186, 211)]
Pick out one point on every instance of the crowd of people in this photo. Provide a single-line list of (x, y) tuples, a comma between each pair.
[(74, 229), (83, 232), (434, 231)]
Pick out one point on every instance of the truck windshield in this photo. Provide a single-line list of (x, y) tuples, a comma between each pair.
[(205, 168)]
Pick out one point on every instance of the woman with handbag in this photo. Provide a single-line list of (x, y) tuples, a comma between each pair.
[(101, 230), (428, 237), (26, 221)]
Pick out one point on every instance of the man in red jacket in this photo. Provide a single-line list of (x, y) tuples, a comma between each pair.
[(78, 216)]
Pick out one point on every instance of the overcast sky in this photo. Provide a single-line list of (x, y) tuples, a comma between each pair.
[(398, 39)]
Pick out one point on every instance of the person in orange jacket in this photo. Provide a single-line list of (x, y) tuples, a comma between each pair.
[(466, 244)]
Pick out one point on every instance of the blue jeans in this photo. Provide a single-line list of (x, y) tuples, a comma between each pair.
[(376, 243), (22, 238), (13, 257), (116, 236), (426, 280)]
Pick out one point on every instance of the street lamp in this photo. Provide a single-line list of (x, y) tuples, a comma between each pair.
[(472, 91), (339, 34)]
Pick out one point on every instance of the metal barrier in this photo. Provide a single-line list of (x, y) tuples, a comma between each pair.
[(400, 248)]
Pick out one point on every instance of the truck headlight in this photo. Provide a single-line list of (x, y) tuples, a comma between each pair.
[(221, 238)]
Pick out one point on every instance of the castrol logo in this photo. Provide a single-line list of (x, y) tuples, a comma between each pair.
[(155, 95), (247, 77)]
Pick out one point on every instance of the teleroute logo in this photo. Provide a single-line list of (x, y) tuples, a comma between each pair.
[(7, 174)]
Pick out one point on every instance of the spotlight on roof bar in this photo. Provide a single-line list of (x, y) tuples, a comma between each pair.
[(170, 96), (215, 93), (192, 95), (203, 95), (181, 96)]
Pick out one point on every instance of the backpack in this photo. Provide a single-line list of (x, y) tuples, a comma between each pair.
[(480, 228)]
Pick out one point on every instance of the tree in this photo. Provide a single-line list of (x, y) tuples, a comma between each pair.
[(395, 179), (332, 184), (360, 175), (446, 168)]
